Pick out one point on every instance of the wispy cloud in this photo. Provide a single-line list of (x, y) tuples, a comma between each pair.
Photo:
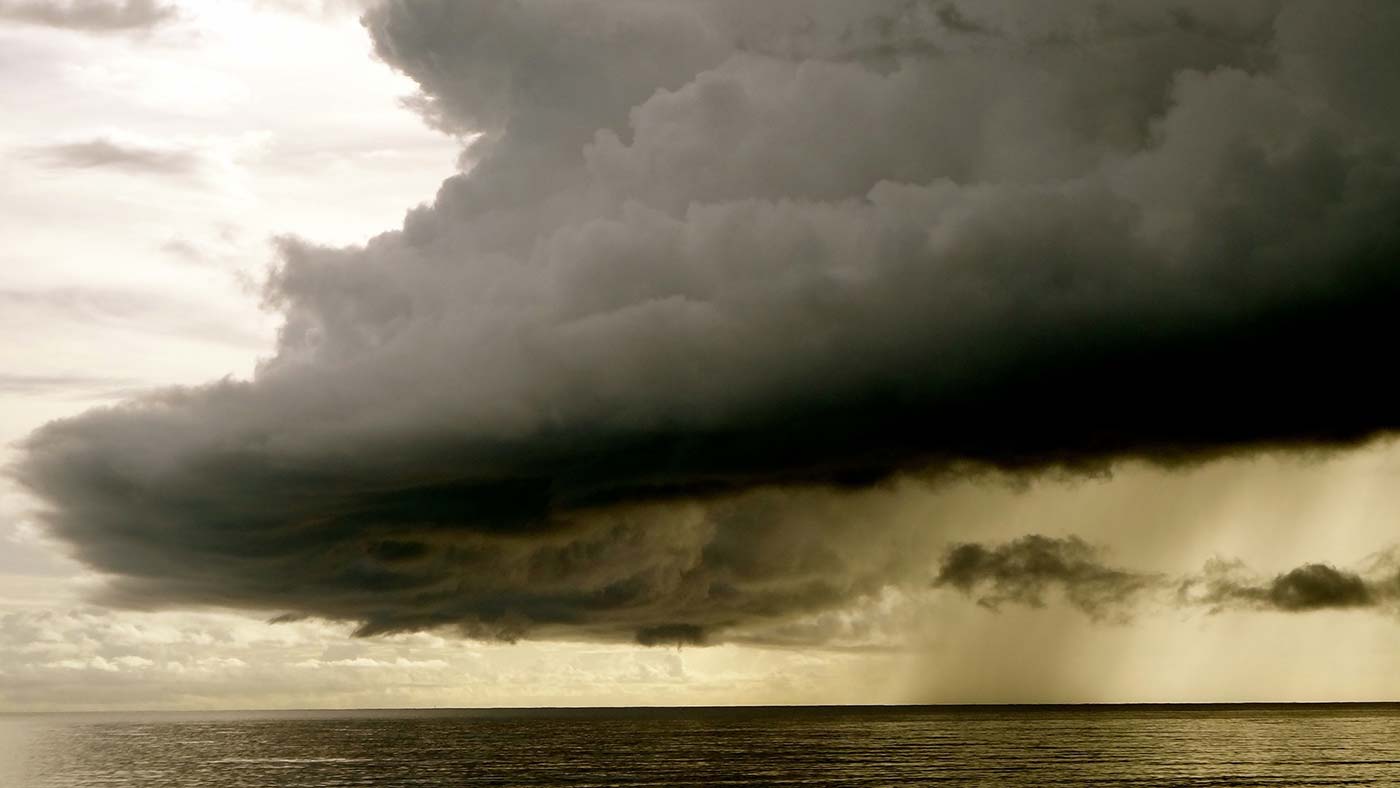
[(81, 386), (107, 153), (92, 16), (143, 311)]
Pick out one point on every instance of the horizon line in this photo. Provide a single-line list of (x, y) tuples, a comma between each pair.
[(729, 707)]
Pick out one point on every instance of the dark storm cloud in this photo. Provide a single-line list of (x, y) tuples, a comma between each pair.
[(719, 265), (105, 153), (1025, 570), (93, 16)]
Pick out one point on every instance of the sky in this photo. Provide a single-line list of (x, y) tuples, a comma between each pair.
[(625, 352)]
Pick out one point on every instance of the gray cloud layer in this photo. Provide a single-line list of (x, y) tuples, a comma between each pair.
[(94, 16), (715, 249), (1025, 571)]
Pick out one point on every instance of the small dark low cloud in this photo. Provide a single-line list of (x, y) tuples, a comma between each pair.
[(616, 378), (92, 16), (1025, 570), (105, 153), (1226, 585)]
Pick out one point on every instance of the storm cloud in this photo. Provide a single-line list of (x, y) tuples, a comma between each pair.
[(715, 270)]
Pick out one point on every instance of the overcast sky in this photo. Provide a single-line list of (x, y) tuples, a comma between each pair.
[(533, 352)]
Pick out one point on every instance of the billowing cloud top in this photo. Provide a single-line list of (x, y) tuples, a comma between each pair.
[(709, 254)]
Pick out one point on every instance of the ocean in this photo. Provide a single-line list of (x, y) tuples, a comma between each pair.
[(1232, 745)]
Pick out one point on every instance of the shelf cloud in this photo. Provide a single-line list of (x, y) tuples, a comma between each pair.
[(713, 270)]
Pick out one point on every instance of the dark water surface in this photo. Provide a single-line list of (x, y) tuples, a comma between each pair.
[(1016, 746)]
